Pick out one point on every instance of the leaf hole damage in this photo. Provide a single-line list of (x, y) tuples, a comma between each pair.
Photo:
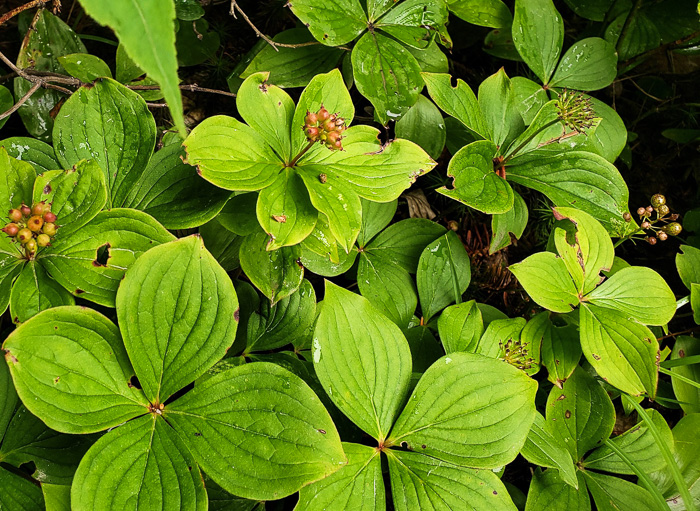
[(134, 383), (322, 431), (102, 256)]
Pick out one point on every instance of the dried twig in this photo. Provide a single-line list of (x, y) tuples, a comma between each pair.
[(191, 88), (235, 7), (21, 102), (29, 5)]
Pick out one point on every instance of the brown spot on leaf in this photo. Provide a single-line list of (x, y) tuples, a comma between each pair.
[(322, 431), (323, 178), (280, 218), (263, 87), (567, 414), (197, 434), (681, 353), (597, 357), (562, 397), (495, 492), (56, 379), (237, 315), (47, 189), (423, 446), (10, 358), (78, 291)]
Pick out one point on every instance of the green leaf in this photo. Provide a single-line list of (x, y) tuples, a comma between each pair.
[(431, 59), (71, 370), (6, 102), (545, 278), (171, 192), (294, 67), (538, 34), (425, 349), (402, 243), (530, 97), (147, 32), (8, 398), (175, 306), (231, 155), (594, 10), (687, 394), (639, 293), (375, 217), (388, 287), (512, 222), (85, 67), (621, 351), (222, 244), (55, 456), (268, 110), (577, 179), (112, 125), (56, 496), (362, 360), (443, 274), (475, 182), (426, 483), (340, 204), (387, 74), (489, 13), (16, 180), (195, 44), (321, 255), (549, 492), (497, 334), (413, 22), (142, 463), (543, 449), (424, 125), (35, 291), (459, 102), (685, 436), (561, 351), (375, 171), (580, 414), (469, 410), (688, 264), (641, 34), (332, 24), (188, 10), (497, 101), (328, 90), (238, 215), (612, 493), (639, 446), (49, 39), (358, 485), (76, 195), (19, 494), (276, 274), (460, 327), (91, 262), (35, 152), (288, 321), (285, 211), (589, 64), (587, 252), (262, 421)]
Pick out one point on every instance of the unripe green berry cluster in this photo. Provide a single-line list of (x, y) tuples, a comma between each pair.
[(657, 220), (324, 127), (33, 227), (516, 354), (575, 111)]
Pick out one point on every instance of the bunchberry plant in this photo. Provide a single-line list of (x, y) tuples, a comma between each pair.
[(301, 181), (75, 369), (614, 311), (64, 245)]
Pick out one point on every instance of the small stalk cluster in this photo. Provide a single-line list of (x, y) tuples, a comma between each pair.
[(575, 111), (33, 227), (516, 354), (657, 222), (324, 127)]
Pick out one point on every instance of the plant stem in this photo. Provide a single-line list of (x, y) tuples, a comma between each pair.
[(678, 362), (529, 139), (643, 478), (672, 465), (679, 377), (301, 153)]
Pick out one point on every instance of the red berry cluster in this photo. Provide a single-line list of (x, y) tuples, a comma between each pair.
[(32, 227), (668, 227), (324, 127)]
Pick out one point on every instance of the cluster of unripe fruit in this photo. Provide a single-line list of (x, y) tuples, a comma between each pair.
[(648, 223), (575, 111), (324, 127), (33, 227)]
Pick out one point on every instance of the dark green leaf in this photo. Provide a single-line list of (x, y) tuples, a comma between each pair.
[(39, 154), (388, 287), (35, 291), (687, 394), (543, 449), (549, 492), (497, 102), (402, 243), (589, 64), (18, 493), (510, 223), (538, 34), (612, 493), (332, 24), (375, 217), (460, 327), (424, 125), (489, 13), (85, 67), (112, 125), (459, 102)]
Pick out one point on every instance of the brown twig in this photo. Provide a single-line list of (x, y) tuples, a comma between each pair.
[(690, 330), (29, 5), (156, 105), (191, 88), (21, 102), (235, 7)]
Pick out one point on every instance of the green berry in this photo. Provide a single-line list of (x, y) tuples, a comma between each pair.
[(31, 246), (49, 229), (24, 235), (673, 229), (662, 210), (43, 240), (658, 200)]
